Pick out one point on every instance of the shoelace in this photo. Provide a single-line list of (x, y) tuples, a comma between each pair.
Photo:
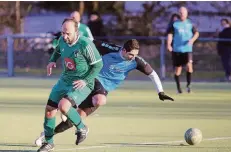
[(43, 139), (81, 131)]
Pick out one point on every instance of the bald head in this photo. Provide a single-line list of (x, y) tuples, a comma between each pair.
[(69, 31), (76, 16), (183, 13)]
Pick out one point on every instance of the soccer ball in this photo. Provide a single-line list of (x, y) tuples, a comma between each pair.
[(193, 136)]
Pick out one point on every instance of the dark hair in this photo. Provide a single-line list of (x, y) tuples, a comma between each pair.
[(131, 45), (70, 19), (174, 15), (94, 13), (225, 20)]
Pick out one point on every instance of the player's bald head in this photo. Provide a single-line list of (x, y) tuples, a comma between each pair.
[(76, 16), (70, 23), (69, 30), (183, 11)]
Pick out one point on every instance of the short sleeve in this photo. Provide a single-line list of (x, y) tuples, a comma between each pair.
[(194, 29), (170, 29)]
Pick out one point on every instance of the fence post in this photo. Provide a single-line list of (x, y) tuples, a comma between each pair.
[(10, 56), (162, 59)]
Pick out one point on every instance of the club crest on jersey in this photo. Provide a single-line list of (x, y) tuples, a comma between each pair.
[(76, 53), (70, 64)]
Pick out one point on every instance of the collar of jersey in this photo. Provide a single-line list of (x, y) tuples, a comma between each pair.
[(78, 24), (70, 45), (120, 52)]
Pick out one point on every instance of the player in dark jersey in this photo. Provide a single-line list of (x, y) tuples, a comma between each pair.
[(118, 61)]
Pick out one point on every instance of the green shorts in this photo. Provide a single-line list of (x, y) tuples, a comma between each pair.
[(61, 89)]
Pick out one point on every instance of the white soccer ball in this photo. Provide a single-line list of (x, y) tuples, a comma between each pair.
[(193, 136)]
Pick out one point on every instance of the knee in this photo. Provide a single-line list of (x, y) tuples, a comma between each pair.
[(50, 111), (189, 67), (64, 105), (99, 100), (178, 71), (82, 113)]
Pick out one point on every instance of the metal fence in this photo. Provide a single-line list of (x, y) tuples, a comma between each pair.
[(28, 54)]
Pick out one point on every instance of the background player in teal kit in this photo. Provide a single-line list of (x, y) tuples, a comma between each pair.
[(183, 34), (117, 63), (83, 29), (82, 63)]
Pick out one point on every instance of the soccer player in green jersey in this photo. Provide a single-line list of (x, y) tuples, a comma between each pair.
[(82, 63), (83, 29)]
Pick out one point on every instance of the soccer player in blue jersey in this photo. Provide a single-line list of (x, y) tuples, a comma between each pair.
[(183, 34), (118, 61)]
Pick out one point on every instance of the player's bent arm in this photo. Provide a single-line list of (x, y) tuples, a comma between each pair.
[(146, 68), (170, 33), (56, 54), (169, 39), (156, 80), (195, 36), (95, 61), (95, 69), (195, 33)]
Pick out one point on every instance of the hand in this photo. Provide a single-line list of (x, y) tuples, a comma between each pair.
[(170, 48), (163, 97), (190, 42), (79, 84), (49, 68)]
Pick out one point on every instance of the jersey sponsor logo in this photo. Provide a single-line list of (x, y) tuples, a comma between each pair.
[(116, 68), (110, 47), (62, 50), (70, 64)]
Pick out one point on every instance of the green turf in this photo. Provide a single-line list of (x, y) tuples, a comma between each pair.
[(134, 120)]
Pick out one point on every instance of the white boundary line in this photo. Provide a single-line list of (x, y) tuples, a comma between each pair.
[(137, 144)]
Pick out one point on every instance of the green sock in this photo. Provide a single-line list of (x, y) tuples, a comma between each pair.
[(49, 127), (75, 118)]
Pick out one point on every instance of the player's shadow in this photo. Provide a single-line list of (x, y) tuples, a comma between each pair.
[(25, 146), (143, 144)]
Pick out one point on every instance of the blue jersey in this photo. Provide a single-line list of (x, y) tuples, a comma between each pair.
[(182, 32), (115, 67)]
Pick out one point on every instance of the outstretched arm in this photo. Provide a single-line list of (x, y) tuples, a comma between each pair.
[(145, 68)]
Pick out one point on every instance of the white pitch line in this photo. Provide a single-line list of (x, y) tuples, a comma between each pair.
[(218, 138), (137, 144), (85, 148)]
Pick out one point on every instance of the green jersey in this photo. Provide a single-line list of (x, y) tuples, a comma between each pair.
[(81, 60), (85, 31)]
